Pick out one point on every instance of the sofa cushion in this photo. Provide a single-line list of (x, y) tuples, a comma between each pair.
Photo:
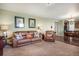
[(18, 36), (23, 33), (29, 36), (36, 39), (23, 41), (24, 36)]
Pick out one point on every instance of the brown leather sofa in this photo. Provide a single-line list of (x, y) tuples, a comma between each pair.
[(23, 37)]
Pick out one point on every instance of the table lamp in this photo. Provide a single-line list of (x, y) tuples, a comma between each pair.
[(4, 29)]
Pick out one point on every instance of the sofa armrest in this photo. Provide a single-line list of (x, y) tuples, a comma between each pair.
[(14, 42), (9, 40)]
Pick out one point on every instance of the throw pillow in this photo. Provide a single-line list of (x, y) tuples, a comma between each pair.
[(29, 36), (36, 34), (18, 36)]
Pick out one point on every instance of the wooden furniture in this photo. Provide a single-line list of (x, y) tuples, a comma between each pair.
[(49, 36), (66, 26), (71, 36), (67, 34), (1, 46), (23, 37), (68, 37), (76, 24)]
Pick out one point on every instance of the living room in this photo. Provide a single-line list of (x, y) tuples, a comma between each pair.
[(29, 18)]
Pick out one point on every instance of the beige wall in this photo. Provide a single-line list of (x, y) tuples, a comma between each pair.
[(7, 17)]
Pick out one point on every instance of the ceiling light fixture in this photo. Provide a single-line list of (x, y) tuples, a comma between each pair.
[(49, 4)]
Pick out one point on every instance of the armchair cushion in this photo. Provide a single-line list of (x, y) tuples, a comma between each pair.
[(49, 35)]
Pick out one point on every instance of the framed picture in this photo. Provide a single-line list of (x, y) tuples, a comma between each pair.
[(19, 22), (32, 23)]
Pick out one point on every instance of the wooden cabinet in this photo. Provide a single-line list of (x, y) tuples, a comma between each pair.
[(71, 36)]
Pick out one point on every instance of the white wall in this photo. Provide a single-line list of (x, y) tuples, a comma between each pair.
[(7, 17), (59, 28)]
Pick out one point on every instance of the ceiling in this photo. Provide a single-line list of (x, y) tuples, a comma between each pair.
[(47, 10)]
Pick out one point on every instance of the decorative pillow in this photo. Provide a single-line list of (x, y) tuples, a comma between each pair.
[(23, 33), (24, 36), (36, 34), (29, 36), (18, 36)]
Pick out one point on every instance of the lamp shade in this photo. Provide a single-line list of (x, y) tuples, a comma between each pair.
[(4, 27)]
